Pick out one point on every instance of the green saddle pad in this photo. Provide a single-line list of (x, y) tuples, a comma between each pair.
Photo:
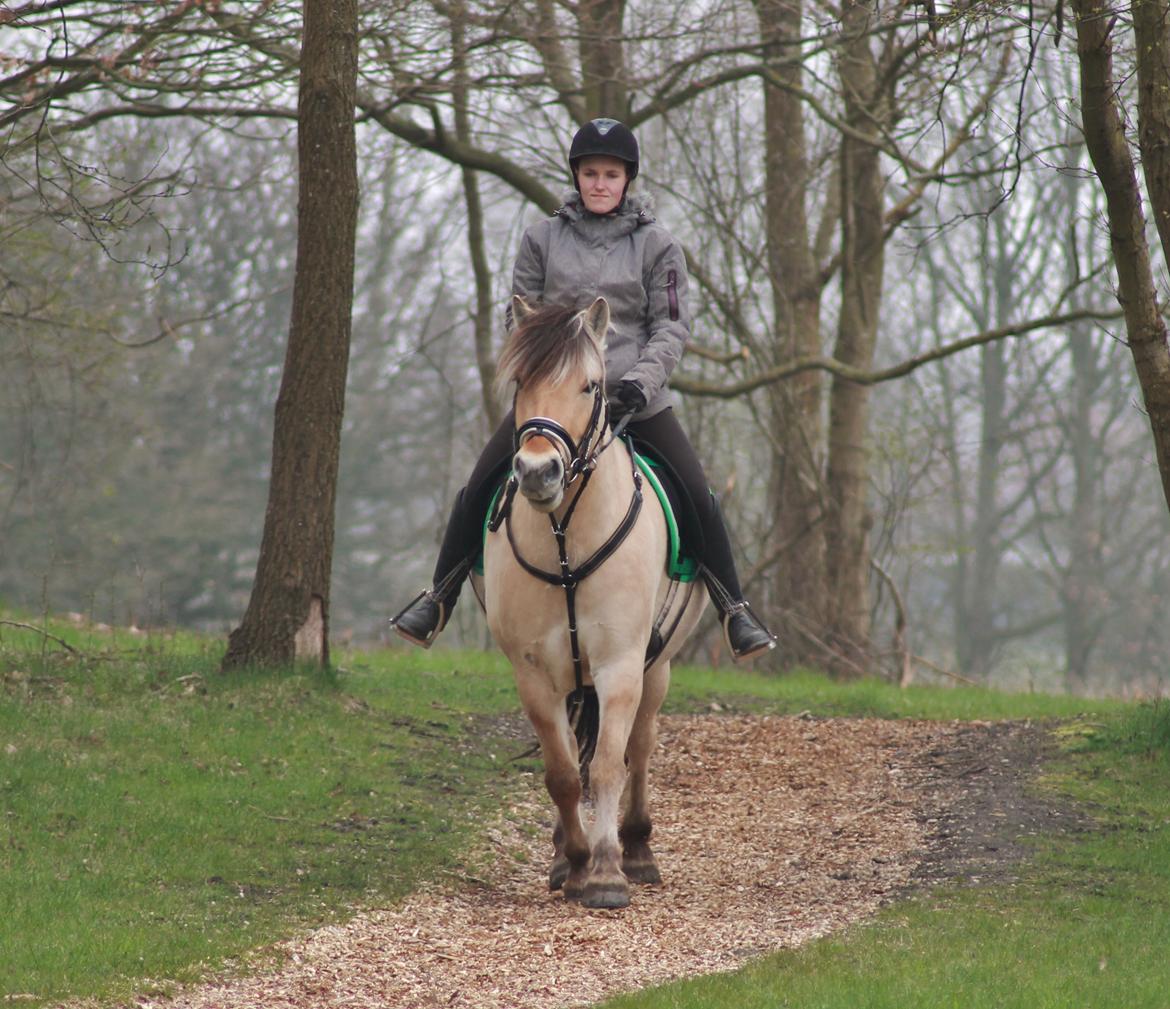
[(680, 565)]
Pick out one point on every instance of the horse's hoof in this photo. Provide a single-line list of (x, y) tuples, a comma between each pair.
[(573, 886), (606, 895), (642, 871), (558, 873)]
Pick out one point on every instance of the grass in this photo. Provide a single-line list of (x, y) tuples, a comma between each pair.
[(734, 689), (158, 818), (1085, 925)]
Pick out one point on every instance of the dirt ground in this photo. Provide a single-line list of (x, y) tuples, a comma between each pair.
[(770, 831), (981, 808)]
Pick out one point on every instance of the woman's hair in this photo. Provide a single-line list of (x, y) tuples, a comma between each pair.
[(548, 346)]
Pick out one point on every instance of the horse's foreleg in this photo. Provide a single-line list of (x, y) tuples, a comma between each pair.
[(559, 872), (562, 778), (637, 859), (618, 695), (570, 866)]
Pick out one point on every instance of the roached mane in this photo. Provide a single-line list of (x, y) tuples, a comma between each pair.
[(548, 346)]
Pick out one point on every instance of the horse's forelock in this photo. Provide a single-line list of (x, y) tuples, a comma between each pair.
[(547, 346)]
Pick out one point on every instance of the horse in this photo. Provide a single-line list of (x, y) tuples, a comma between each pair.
[(575, 584)]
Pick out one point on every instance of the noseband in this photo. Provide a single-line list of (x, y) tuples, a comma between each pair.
[(576, 459)]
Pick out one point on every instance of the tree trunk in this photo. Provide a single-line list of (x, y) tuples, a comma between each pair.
[(975, 640), (603, 70), (976, 637), (848, 520), (1082, 592), (795, 407), (288, 614), (1151, 25), (1083, 596), (1109, 150), (485, 357)]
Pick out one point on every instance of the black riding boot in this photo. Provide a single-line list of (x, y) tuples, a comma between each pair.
[(427, 613), (744, 632)]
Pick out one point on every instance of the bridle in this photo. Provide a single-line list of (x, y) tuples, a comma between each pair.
[(575, 459), (580, 461)]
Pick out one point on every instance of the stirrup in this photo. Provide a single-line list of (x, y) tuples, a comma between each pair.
[(421, 620), (752, 637)]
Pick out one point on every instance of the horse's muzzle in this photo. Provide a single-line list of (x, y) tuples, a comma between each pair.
[(541, 480)]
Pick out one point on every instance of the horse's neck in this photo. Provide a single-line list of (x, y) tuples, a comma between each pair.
[(606, 497)]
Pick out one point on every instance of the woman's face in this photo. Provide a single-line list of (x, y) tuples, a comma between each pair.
[(602, 181)]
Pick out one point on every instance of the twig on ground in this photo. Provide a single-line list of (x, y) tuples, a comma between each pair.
[(945, 672), (40, 630)]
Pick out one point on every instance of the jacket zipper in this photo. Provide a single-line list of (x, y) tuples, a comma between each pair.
[(672, 293)]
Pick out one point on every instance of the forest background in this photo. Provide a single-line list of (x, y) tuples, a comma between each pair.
[(910, 379)]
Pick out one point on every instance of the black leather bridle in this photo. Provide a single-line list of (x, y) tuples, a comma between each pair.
[(576, 459), (580, 461)]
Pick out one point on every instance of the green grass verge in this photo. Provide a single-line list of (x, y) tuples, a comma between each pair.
[(1085, 925), (697, 689), (158, 818)]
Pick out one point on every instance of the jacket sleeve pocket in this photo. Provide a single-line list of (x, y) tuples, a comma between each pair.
[(672, 294)]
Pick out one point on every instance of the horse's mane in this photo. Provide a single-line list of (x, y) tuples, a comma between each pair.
[(548, 346)]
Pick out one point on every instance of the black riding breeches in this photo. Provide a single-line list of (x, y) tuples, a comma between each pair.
[(663, 438), (660, 436), (463, 536)]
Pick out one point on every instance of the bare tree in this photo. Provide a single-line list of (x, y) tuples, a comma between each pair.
[(288, 615), (1109, 148), (484, 313), (795, 408)]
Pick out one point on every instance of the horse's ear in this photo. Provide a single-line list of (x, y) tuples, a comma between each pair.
[(597, 320), (521, 310)]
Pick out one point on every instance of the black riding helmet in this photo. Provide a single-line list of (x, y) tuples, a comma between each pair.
[(608, 137)]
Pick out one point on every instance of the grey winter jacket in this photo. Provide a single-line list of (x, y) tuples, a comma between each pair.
[(633, 262)]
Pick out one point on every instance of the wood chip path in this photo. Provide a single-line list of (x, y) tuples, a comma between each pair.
[(769, 831)]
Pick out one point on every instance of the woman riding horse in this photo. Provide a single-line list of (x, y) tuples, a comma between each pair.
[(604, 242)]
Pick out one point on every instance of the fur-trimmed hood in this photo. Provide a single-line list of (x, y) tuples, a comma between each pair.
[(635, 210)]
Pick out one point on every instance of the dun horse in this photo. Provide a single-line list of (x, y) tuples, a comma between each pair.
[(575, 583)]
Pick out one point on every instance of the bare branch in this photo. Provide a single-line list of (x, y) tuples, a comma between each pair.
[(694, 387), (718, 356)]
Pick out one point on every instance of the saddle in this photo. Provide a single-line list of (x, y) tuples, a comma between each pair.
[(682, 525)]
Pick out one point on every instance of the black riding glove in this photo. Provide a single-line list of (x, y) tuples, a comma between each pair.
[(627, 399)]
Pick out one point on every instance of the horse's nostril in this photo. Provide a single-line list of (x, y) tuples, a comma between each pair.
[(551, 471), (547, 471)]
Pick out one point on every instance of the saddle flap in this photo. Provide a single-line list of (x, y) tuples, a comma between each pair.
[(681, 564)]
